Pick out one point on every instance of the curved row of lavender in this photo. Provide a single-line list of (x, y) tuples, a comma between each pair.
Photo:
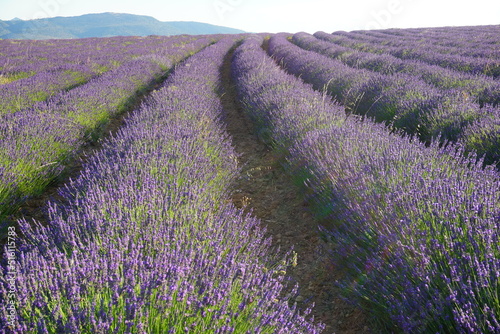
[(471, 42), (32, 71), (146, 240), (475, 41), (24, 92), (480, 88), (38, 142), (400, 99), (478, 129), (404, 101), (424, 52), (416, 228), (32, 56)]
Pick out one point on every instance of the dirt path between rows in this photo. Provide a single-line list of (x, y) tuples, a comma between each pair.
[(269, 192)]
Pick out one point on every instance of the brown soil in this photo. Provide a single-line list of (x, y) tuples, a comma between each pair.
[(269, 192)]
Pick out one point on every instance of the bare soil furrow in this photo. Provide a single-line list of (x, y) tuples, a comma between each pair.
[(269, 193)]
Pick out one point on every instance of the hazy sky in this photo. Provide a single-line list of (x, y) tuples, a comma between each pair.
[(277, 15)]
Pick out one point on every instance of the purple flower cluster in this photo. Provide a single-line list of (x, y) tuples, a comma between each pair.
[(35, 143), (416, 228), (483, 136), (32, 149), (146, 239), (266, 106)]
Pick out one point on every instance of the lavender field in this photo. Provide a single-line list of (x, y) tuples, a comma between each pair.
[(390, 138)]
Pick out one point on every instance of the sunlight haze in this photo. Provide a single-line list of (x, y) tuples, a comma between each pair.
[(276, 15)]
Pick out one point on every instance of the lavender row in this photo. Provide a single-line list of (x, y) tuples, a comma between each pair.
[(416, 228), (33, 72), (37, 143), (416, 231), (100, 54), (92, 104), (455, 41), (480, 88), (23, 93), (400, 99), (30, 57), (271, 109), (477, 41), (476, 128), (146, 240), (486, 66)]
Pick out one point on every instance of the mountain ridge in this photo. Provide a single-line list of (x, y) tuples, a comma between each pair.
[(104, 25)]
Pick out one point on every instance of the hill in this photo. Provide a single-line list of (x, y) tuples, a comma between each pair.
[(104, 25)]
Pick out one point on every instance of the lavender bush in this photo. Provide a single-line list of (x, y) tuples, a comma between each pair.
[(30, 71), (416, 228), (23, 93), (37, 142), (483, 136), (482, 88), (429, 51), (400, 99), (472, 41), (146, 240)]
